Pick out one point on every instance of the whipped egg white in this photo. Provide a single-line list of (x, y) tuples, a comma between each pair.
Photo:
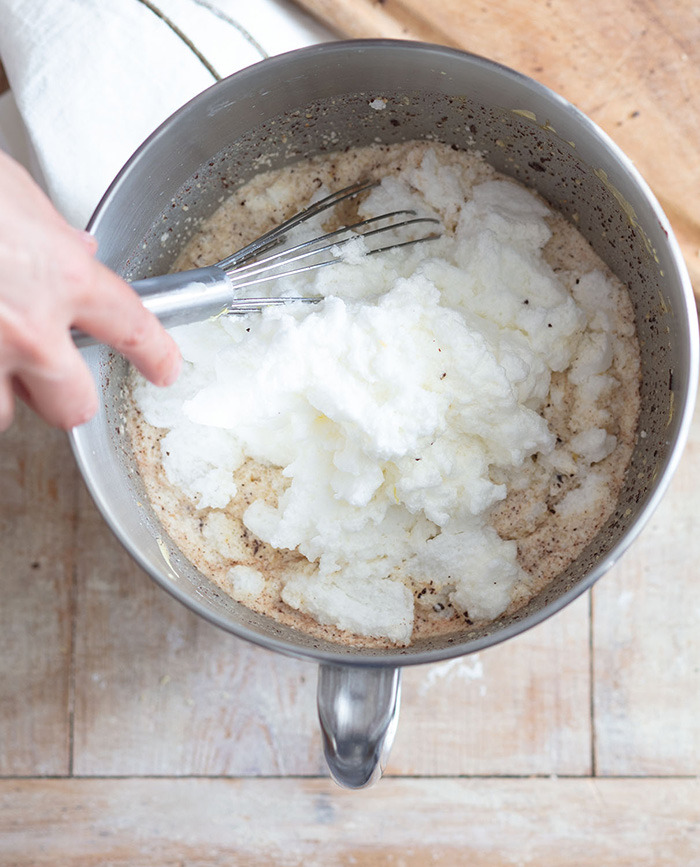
[(401, 410)]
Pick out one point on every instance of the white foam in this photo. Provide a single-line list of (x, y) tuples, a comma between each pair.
[(389, 405)]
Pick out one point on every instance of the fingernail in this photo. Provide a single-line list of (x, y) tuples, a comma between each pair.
[(87, 413), (173, 373), (90, 241)]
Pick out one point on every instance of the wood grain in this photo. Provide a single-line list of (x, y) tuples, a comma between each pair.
[(647, 641), (37, 522), (161, 691), (311, 823), (522, 707), (632, 65), (107, 684)]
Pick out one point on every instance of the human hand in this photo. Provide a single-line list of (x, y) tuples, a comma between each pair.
[(50, 281)]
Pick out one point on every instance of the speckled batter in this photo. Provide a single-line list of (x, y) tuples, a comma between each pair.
[(548, 535)]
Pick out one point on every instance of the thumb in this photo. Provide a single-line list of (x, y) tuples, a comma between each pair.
[(87, 240)]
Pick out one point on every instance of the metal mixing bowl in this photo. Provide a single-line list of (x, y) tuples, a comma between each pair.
[(318, 100)]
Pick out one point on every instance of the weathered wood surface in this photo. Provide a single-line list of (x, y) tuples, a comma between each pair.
[(574, 745), (646, 640), (161, 691), (631, 65), (577, 743), (309, 823), (522, 707), (38, 485)]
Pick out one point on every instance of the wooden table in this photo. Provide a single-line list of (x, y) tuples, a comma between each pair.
[(134, 733)]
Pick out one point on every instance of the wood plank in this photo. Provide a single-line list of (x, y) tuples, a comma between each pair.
[(522, 707), (412, 823), (632, 66), (161, 691), (37, 501), (647, 640)]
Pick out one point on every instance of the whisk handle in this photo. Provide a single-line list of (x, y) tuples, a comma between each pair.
[(178, 299)]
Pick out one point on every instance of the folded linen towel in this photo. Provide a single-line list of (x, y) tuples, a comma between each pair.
[(93, 79)]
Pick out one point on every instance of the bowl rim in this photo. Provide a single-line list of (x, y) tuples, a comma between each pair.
[(405, 656)]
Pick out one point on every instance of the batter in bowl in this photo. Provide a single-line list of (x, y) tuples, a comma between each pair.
[(425, 448)]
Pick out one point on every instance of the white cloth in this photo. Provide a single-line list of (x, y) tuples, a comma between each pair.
[(93, 78)]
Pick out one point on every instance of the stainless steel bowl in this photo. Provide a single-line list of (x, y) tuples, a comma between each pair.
[(317, 100)]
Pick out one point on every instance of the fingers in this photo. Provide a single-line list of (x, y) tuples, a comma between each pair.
[(50, 280), (7, 404), (87, 240), (114, 314), (63, 393), (44, 367)]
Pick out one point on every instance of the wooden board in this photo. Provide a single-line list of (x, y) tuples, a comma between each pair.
[(161, 691), (37, 524), (631, 65), (505, 710), (311, 823), (134, 733), (646, 642)]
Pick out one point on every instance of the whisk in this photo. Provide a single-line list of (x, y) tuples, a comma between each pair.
[(190, 296)]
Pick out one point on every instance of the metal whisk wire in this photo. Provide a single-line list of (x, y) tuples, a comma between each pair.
[(275, 236), (262, 270)]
